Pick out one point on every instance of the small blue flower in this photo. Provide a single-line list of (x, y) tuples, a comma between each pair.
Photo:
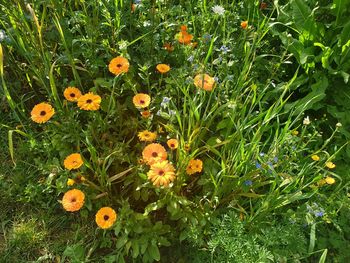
[(262, 154), (248, 183), (216, 79), (319, 213), (137, 2), (172, 112), (270, 165), (166, 99), (257, 165), (275, 159), (224, 49)]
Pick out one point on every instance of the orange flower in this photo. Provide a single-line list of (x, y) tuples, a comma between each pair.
[(105, 217), (145, 114), (73, 200), (194, 166), (118, 65), (72, 94), (42, 112), (147, 136), (153, 153), (133, 8), (141, 100), (184, 38), (204, 81), (183, 28), (161, 173), (89, 101), (163, 68), (73, 161), (173, 144), (168, 47), (244, 24)]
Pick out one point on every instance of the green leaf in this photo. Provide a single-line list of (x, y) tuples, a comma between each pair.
[(75, 253), (154, 252), (135, 249), (323, 256), (122, 241)]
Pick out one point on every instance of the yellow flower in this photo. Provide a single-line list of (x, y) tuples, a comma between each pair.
[(118, 66), (204, 81), (161, 173), (145, 114), (163, 68), (72, 94), (73, 161), (105, 217), (73, 200), (194, 166), (295, 132), (315, 157), (42, 112), (330, 165), (173, 144), (147, 136), (329, 180), (89, 101), (70, 182), (153, 153), (141, 100)]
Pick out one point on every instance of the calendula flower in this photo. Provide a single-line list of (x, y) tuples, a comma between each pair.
[(118, 65), (145, 114), (70, 182), (183, 28), (204, 81), (329, 180), (42, 112), (330, 165), (184, 38), (163, 68), (72, 94), (73, 200), (89, 101), (141, 100), (153, 153), (73, 161), (173, 144), (161, 173), (315, 157), (105, 217), (244, 24), (194, 166), (147, 136)]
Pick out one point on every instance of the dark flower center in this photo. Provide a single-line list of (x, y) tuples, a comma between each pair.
[(161, 172), (43, 113), (73, 200), (105, 217), (172, 145), (154, 154), (72, 95), (142, 102), (89, 101), (119, 65)]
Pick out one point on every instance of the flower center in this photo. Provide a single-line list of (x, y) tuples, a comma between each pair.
[(72, 95), (43, 113), (105, 217), (142, 102), (119, 65), (161, 172), (89, 101), (172, 145), (73, 200), (154, 154)]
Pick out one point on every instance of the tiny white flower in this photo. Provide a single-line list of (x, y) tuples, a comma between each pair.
[(306, 121), (338, 125), (218, 10)]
